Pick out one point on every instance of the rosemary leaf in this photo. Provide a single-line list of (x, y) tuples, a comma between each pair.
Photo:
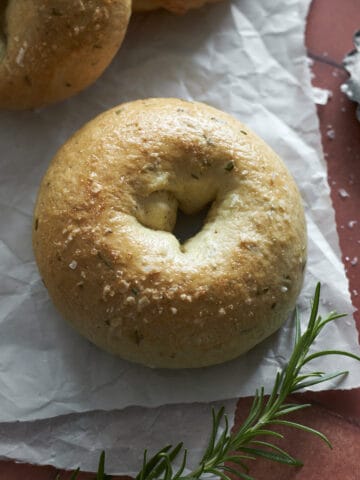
[(182, 466), (292, 460), (225, 447), (232, 470), (75, 474), (101, 475), (164, 463), (290, 409), (330, 352), (149, 465), (330, 376), (280, 458), (302, 427)]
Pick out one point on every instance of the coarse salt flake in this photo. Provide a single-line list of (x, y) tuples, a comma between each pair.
[(21, 54), (331, 134), (343, 193), (123, 286), (143, 302), (185, 297), (354, 261), (73, 264), (96, 188), (107, 290)]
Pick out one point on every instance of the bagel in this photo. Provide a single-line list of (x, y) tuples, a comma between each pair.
[(104, 245), (52, 49), (174, 6)]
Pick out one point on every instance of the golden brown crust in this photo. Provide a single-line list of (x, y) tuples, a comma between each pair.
[(52, 49), (174, 6), (134, 290)]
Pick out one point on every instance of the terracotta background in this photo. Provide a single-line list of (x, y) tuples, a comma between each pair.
[(330, 28)]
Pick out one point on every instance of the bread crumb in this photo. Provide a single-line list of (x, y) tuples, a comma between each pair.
[(173, 310)]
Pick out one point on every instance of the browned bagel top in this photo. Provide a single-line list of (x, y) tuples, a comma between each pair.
[(51, 49)]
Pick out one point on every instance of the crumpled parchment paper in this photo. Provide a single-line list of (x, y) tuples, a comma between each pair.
[(352, 64), (244, 57), (77, 440)]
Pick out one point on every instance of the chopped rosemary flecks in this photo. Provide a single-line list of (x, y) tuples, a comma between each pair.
[(208, 140), (104, 260), (56, 12), (236, 448), (229, 166)]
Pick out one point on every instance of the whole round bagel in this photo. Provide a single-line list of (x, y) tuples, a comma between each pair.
[(174, 6), (104, 245), (52, 49)]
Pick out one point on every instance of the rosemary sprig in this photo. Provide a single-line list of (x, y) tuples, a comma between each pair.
[(226, 448)]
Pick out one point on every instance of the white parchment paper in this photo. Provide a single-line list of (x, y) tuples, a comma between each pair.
[(77, 440), (244, 57)]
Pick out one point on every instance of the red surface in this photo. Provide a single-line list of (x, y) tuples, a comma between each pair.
[(320, 462), (331, 25), (330, 29), (329, 37)]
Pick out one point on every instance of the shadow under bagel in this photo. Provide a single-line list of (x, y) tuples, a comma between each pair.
[(114, 268), (174, 6)]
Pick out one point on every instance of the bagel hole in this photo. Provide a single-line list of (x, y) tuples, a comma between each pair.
[(187, 226)]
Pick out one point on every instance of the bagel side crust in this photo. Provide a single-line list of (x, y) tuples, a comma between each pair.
[(103, 243), (52, 49)]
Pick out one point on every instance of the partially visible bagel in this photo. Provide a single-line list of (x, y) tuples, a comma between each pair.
[(52, 49), (103, 243), (174, 6)]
